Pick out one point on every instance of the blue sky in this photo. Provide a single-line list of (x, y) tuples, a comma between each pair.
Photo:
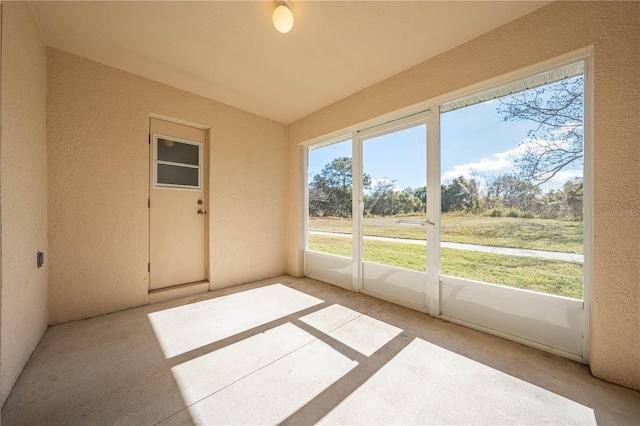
[(475, 140)]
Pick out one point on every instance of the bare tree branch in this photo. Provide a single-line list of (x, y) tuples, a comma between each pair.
[(557, 140)]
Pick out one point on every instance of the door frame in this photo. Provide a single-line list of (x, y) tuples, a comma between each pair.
[(188, 289), (424, 117)]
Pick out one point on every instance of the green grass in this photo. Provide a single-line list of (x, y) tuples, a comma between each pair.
[(547, 276), (531, 273), (408, 256), (339, 246), (535, 234)]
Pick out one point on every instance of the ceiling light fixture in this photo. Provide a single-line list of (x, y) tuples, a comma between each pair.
[(282, 16)]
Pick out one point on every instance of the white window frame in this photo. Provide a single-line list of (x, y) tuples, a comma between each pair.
[(433, 182), (156, 162), (584, 56)]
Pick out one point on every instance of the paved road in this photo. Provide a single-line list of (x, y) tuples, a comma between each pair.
[(567, 257)]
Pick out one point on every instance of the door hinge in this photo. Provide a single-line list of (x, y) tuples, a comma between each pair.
[(149, 138), (149, 267), (148, 203)]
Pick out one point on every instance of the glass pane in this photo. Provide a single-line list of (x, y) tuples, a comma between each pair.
[(330, 193), (512, 190), (177, 175), (178, 152), (394, 223)]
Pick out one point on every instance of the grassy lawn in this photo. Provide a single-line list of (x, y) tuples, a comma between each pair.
[(548, 276), (535, 234)]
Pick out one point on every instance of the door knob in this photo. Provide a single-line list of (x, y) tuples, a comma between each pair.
[(199, 202), (200, 212)]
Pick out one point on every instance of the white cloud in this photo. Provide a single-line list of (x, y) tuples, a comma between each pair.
[(503, 162), (375, 181), (500, 162), (385, 180), (482, 166), (565, 175)]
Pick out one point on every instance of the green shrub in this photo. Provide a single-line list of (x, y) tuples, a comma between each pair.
[(513, 213), (496, 213)]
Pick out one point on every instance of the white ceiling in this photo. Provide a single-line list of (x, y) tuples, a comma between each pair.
[(229, 50)]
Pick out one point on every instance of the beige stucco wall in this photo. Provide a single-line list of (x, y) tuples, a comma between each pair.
[(97, 130), (557, 29), (23, 199)]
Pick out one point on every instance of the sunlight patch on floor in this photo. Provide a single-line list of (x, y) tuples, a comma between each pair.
[(207, 374), (426, 384), (273, 393), (270, 373), (185, 328), (360, 332)]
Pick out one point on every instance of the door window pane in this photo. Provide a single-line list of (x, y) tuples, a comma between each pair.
[(177, 152), (394, 184), (178, 175), (330, 187), (176, 163), (512, 189)]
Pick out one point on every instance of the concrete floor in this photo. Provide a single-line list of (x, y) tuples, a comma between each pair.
[(297, 351)]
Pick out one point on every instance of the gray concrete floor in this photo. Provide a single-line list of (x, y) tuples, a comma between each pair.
[(297, 351)]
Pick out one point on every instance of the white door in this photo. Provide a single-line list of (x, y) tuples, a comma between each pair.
[(177, 205), (394, 222), (369, 216)]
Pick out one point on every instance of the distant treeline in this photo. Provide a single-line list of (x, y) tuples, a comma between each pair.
[(507, 195)]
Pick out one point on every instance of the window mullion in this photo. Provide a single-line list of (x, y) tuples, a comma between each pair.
[(357, 196)]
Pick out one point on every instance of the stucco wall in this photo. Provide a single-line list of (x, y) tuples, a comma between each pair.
[(97, 130), (23, 199), (554, 30)]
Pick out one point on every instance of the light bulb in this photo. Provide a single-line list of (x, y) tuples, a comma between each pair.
[(283, 18)]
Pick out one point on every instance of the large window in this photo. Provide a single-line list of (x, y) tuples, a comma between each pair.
[(512, 186), (472, 212), (330, 187)]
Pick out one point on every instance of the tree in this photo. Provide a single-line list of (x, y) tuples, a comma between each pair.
[(473, 183), (318, 201), (408, 202), (421, 194), (557, 139), (573, 197), (514, 193), (330, 190), (382, 201), (550, 205), (459, 195)]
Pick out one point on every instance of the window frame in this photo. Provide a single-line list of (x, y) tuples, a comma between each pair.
[(156, 162), (434, 301)]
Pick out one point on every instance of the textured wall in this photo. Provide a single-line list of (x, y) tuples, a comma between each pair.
[(559, 28), (23, 165), (97, 127)]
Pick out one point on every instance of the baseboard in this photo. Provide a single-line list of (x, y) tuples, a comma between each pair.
[(182, 290)]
